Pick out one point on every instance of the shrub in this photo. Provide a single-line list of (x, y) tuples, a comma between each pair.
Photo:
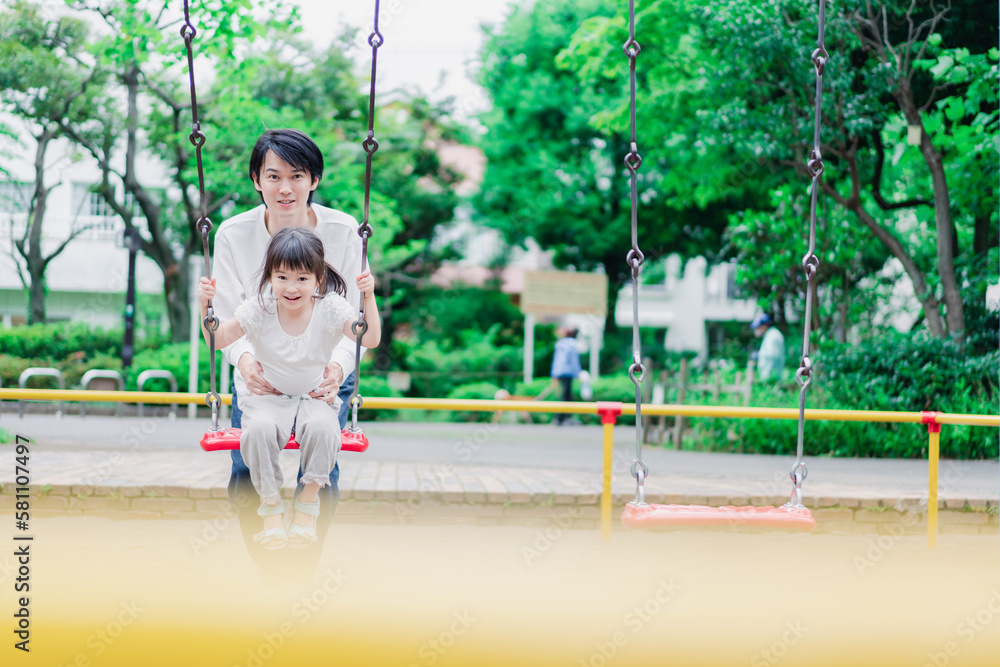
[(372, 386), (11, 368), (59, 341), (176, 359), (478, 357), (475, 391), (76, 365), (895, 372)]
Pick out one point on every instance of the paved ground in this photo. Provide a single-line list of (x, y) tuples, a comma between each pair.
[(478, 463)]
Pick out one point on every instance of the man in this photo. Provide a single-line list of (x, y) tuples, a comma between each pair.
[(285, 167), (771, 357)]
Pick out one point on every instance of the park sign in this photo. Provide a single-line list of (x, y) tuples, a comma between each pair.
[(548, 293)]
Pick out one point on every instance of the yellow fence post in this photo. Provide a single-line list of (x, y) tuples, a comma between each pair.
[(933, 454), (609, 412)]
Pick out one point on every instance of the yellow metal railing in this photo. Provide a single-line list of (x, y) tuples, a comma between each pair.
[(608, 412)]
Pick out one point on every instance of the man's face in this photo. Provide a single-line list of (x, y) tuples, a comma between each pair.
[(284, 188), (759, 331)]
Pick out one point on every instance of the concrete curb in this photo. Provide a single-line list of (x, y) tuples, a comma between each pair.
[(895, 516)]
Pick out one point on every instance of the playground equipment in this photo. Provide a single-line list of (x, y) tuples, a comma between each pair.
[(100, 374), (216, 438), (792, 515), (35, 371), (161, 375)]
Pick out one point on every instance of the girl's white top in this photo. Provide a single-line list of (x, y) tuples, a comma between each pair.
[(293, 364), (240, 245)]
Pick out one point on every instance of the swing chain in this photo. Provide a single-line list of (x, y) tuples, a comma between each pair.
[(357, 402), (370, 145), (810, 262), (197, 137), (635, 258), (204, 224)]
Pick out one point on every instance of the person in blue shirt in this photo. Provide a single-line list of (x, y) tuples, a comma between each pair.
[(771, 357), (566, 368)]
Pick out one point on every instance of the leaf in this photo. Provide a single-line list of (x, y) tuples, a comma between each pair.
[(897, 153), (944, 63), (959, 75), (955, 110)]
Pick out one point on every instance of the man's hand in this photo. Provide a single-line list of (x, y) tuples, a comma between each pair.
[(253, 374), (333, 377)]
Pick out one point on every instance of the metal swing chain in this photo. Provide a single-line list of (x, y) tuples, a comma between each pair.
[(636, 372), (810, 263), (204, 225), (370, 145)]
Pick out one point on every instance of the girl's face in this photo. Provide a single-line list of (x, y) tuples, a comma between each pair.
[(293, 289)]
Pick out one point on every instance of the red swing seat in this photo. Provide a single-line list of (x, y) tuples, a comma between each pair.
[(229, 438), (667, 516)]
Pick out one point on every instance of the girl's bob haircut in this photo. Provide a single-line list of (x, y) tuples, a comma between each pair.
[(297, 249)]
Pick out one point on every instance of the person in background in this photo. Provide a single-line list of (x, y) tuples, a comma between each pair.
[(566, 368), (771, 357)]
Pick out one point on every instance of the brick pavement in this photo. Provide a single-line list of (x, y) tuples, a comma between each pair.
[(178, 484), (430, 473)]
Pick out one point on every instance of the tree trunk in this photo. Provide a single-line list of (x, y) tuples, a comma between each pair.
[(923, 292), (942, 214), (176, 283), (33, 256), (36, 295), (157, 246), (982, 242), (383, 353)]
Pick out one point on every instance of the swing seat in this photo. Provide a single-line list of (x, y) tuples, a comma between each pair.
[(229, 438), (668, 516)]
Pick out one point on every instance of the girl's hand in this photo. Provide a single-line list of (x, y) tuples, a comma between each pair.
[(206, 290), (366, 283)]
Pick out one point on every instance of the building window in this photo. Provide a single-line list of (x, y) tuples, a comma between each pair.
[(92, 214), (15, 199), (97, 207), (15, 196)]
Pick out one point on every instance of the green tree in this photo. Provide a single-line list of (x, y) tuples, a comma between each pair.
[(252, 75), (286, 82), (140, 49), (736, 95), (43, 83), (556, 138)]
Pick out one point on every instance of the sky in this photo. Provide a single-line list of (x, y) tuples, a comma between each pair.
[(423, 38)]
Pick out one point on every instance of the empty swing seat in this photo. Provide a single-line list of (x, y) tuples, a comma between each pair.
[(674, 516), (229, 438)]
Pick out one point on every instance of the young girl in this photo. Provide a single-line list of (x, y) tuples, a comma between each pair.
[(294, 324)]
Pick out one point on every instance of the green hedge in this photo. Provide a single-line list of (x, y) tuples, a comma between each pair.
[(477, 391), (477, 360), (896, 372), (59, 341), (372, 386)]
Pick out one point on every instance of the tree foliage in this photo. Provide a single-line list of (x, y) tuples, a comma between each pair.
[(555, 142), (253, 71), (44, 83), (731, 102)]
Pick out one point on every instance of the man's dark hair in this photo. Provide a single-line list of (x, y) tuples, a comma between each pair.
[(293, 147)]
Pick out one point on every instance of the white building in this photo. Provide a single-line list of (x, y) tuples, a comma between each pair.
[(690, 298), (89, 278)]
